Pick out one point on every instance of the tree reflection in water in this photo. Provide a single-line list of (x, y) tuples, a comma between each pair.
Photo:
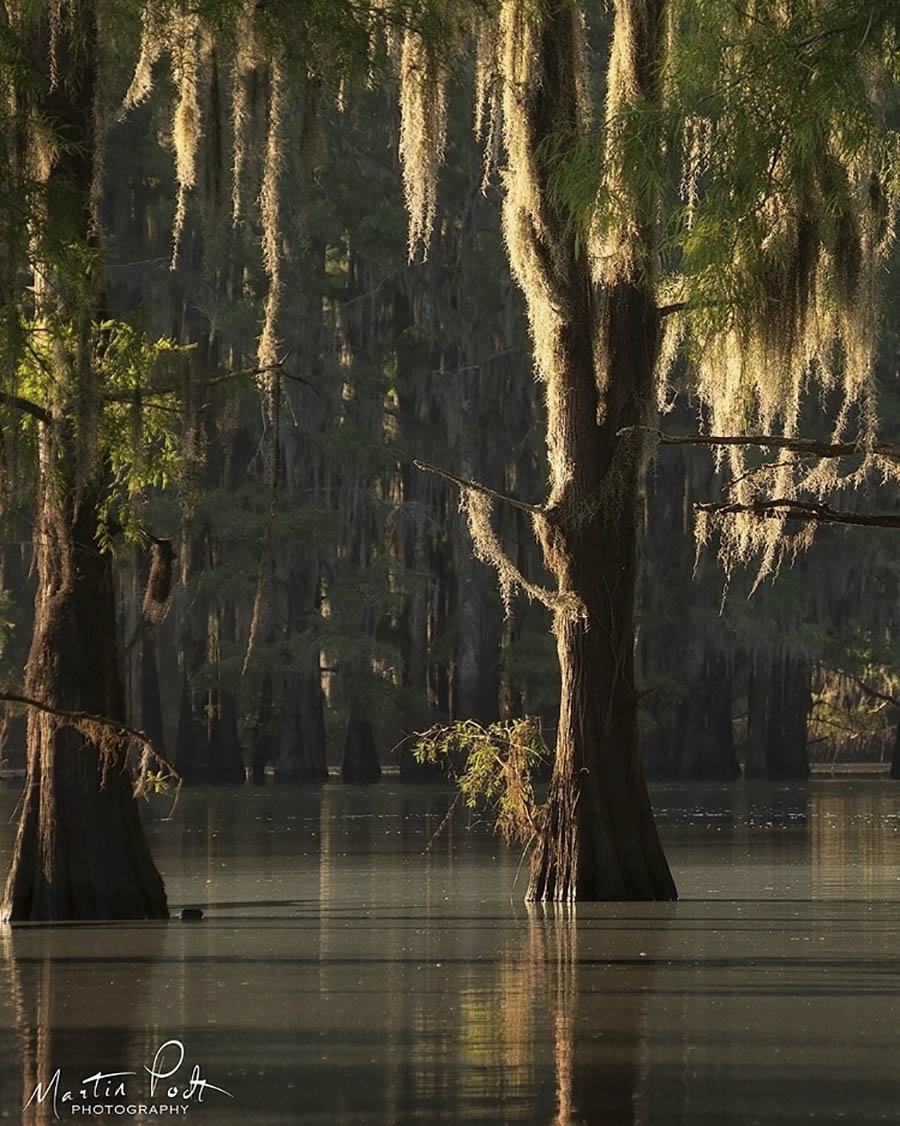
[(84, 1019)]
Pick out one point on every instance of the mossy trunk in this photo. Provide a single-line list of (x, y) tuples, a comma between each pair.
[(597, 335), (600, 839), (80, 850)]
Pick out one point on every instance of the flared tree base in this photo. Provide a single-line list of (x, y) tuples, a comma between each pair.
[(80, 850)]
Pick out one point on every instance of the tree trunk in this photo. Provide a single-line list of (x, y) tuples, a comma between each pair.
[(302, 751), (597, 348), (600, 840), (706, 735), (226, 756), (80, 851), (226, 759), (191, 740), (151, 717), (895, 757), (261, 749), (360, 765), (789, 705), (757, 711)]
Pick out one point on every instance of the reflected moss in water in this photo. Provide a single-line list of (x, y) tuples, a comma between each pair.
[(342, 974)]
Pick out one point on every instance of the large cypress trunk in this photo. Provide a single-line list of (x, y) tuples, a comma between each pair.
[(597, 334), (600, 839), (80, 850)]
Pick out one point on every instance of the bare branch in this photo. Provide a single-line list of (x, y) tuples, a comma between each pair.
[(477, 487), (121, 729), (765, 467), (810, 446), (787, 509), (26, 406)]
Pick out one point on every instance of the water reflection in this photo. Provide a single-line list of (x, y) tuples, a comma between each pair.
[(344, 974), (80, 1002)]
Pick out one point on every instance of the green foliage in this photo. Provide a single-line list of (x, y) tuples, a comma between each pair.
[(499, 766), (156, 782)]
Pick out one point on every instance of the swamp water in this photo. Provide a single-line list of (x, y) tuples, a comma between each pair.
[(341, 975)]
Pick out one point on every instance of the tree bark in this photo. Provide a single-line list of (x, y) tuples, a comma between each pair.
[(597, 346), (80, 850)]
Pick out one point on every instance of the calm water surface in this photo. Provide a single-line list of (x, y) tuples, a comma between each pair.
[(343, 975)]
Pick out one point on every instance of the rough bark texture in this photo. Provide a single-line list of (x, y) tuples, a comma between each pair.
[(80, 851), (599, 840)]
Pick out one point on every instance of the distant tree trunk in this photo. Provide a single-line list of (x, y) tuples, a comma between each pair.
[(706, 737), (790, 700), (261, 747), (151, 717), (226, 756), (757, 719), (476, 667), (895, 758), (302, 747), (226, 759), (597, 353), (80, 850), (415, 632), (191, 740), (360, 764)]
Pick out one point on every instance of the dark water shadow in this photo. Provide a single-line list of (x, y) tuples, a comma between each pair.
[(77, 1021)]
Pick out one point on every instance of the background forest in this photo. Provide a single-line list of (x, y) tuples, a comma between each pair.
[(324, 601)]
